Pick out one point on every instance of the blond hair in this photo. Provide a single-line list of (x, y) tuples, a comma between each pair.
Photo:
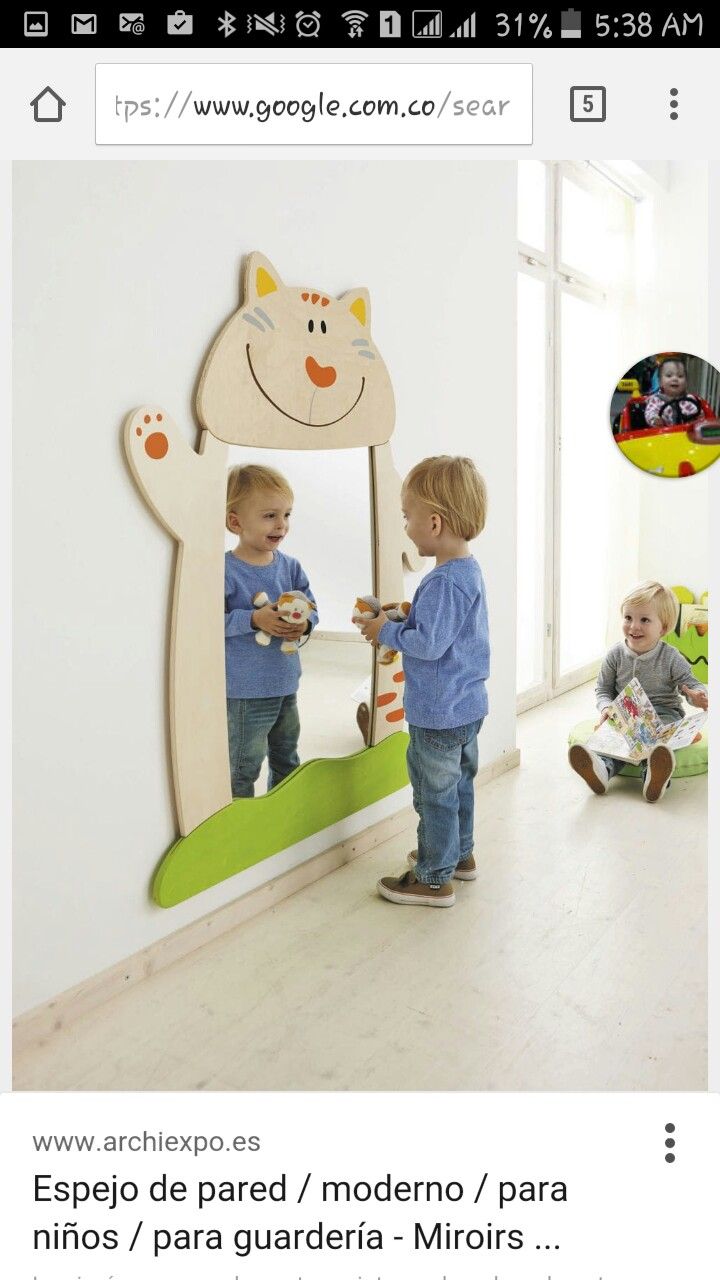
[(243, 482), (663, 600), (454, 488)]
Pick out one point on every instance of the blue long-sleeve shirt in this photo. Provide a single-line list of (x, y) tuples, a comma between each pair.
[(253, 670), (445, 646)]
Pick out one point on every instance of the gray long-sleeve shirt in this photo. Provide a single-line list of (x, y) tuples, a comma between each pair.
[(661, 672)]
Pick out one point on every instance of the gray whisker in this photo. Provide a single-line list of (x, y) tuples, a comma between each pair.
[(251, 320), (368, 354), (360, 342), (264, 316)]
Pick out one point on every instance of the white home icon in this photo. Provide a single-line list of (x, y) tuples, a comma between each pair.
[(48, 106)]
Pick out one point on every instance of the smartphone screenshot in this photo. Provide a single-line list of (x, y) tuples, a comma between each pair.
[(362, 391)]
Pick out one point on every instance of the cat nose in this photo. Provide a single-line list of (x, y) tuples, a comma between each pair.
[(321, 375)]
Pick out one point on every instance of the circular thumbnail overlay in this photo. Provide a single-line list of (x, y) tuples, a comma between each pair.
[(664, 414)]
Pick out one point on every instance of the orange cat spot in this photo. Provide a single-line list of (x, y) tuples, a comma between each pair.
[(138, 431), (147, 418), (385, 698), (156, 445), (320, 375), (304, 296), (159, 417), (315, 297), (325, 302), (394, 716), (399, 677)]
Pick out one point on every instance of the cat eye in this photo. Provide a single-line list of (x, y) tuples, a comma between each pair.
[(323, 326), (311, 326)]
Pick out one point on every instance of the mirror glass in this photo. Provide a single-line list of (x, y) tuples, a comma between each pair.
[(329, 533)]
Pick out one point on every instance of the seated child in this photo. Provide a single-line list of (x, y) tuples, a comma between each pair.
[(262, 681), (446, 653), (673, 404), (648, 613)]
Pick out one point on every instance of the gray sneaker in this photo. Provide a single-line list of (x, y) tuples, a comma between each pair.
[(660, 765), (590, 768), (465, 870)]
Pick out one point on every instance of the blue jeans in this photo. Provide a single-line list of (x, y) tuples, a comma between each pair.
[(259, 727), (442, 764), (614, 766)]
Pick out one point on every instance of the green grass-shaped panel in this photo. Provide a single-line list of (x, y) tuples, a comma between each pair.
[(315, 796), (694, 647)]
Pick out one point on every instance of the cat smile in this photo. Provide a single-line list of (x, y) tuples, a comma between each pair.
[(284, 412)]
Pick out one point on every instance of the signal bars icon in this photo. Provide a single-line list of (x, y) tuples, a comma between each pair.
[(466, 30), (427, 24)]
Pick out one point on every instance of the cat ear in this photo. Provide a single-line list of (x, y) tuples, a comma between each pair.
[(358, 304), (261, 278)]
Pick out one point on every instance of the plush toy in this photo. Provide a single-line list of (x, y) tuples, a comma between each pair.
[(292, 606), (367, 607)]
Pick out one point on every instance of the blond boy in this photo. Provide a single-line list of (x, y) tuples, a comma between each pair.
[(262, 680), (446, 654), (648, 613)]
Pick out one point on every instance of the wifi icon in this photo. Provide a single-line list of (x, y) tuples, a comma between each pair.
[(355, 19)]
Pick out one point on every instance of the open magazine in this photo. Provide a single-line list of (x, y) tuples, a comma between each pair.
[(633, 727)]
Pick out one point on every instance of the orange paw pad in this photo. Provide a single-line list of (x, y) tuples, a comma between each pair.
[(156, 445), (393, 716), (385, 698), (399, 677)]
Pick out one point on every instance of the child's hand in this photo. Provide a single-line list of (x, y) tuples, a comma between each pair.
[(696, 697), (372, 629), (604, 715), (268, 620)]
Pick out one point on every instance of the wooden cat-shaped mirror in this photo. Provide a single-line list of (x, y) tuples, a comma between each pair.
[(293, 368)]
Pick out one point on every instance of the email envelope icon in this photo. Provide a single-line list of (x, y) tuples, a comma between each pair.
[(84, 24), (134, 22)]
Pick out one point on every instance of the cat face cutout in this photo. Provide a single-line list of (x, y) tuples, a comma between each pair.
[(296, 369)]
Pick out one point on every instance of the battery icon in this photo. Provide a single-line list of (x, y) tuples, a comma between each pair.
[(570, 24)]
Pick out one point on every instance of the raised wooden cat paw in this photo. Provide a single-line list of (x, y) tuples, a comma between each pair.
[(166, 467)]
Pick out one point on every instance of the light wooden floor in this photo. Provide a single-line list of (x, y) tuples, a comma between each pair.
[(576, 961)]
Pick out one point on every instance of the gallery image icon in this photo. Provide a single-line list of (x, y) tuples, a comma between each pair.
[(48, 106), (83, 24), (35, 22)]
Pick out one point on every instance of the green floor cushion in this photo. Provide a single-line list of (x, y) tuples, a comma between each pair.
[(688, 760)]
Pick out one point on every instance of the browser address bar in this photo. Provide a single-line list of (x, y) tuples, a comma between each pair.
[(323, 103)]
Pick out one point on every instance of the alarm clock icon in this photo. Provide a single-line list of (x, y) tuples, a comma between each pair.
[(307, 24)]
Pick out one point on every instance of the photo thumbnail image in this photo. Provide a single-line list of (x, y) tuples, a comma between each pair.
[(664, 414)]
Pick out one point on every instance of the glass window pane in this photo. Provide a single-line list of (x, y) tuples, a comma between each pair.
[(594, 231), (588, 357), (532, 176), (531, 470)]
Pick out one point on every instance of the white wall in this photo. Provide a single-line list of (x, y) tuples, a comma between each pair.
[(124, 272), (671, 287)]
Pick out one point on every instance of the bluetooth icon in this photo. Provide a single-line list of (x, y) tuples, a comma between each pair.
[(226, 24)]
